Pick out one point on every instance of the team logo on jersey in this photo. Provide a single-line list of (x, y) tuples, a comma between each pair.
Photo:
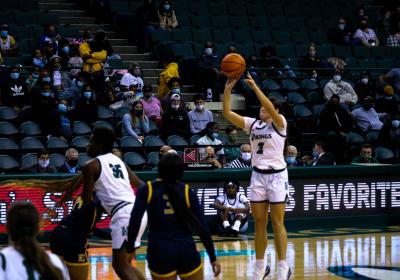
[(117, 172), (260, 136), (366, 272)]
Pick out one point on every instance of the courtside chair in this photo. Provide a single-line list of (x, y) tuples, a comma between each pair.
[(152, 160), (384, 155), (8, 164), (220, 21), (81, 128), (83, 158), (79, 143), (130, 143), (103, 124), (29, 160), (177, 141), (8, 130), (57, 145), (270, 85), (8, 147), (57, 160), (134, 160), (31, 145), (30, 129), (239, 22), (8, 114)]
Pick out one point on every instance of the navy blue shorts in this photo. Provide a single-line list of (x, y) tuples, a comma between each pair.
[(69, 244), (167, 258)]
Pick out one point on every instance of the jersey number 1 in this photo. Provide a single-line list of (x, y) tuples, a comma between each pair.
[(260, 148)]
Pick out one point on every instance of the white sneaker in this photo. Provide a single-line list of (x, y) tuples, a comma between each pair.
[(284, 272), (261, 274)]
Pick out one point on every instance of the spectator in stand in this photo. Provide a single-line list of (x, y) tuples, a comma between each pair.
[(365, 155), (166, 16), (366, 36), (387, 103), (311, 61), (364, 86), (334, 118), (211, 138), (60, 78), (340, 34), (174, 85), (7, 42), (175, 120), (268, 60), (383, 23), (73, 92), (42, 166), (147, 20), (337, 86), (75, 62), (49, 36), (132, 77), (291, 156), (170, 71), (393, 78), (135, 123), (63, 52), (360, 14), (200, 116), (389, 135), (14, 92), (244, 159), (71, 162), (43, 105), (86, 109), (151, 105), (366, 118), (61, 120), (37, 59), (32, 78), (210, 152), (393, 40), (208, 67), (94, 55), (48, 52), (319, 156), (231, 152)]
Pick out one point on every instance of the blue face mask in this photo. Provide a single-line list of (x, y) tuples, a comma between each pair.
[(315, 153), (87, 94), (215, 135), (37, 61), (176, 91), (79, 83), (65, 50), (47, 79), (4, 33), (167, 7), (35, 76), (14, 75), (62, 108), (45, 93), (290, 159)]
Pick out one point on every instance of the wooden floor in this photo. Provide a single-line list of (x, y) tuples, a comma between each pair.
[(311, 255)]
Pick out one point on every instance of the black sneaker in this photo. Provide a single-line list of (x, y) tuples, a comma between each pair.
[(267, 272)]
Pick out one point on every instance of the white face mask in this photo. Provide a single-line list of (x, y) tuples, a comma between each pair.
[(175, 106), (200, 107), (43, 163), (128, 94), (396, 123), (337, 78), (364, 81), (246, 156), (208, 51)]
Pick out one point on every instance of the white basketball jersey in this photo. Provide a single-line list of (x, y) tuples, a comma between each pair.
[(113, 185), (232, 202), (12, 265), (267, 143)]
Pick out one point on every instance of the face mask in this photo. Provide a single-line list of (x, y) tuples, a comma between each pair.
[(396, 123), (62, 108), (363, 26), (175, 91), (367, 156), (337, 78), (4, 33), (35, 76), (46, 79), (65, 50), (44, 163), (45, 93), (87, 94), (246, 156), (73, 162), (388, 97), (233, 139), (79, 83), (367, 107), (167, 7), (208, 51), (175, 106), (341, 26), (311, 53), (200, 107), (138, 112), (364, 81), (37, 61), (315, 153), (136, 72), (148, 98), (215, 134), (291, 159), (14, 75)]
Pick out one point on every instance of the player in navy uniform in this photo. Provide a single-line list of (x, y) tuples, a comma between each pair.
[(269, 187), (173, 213)]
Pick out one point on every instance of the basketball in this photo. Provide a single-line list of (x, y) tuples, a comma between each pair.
[(233, 65)]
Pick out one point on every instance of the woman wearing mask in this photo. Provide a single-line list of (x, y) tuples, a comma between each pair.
[(134, 76), (208, 66), (37, 59), (366, 36), (166, 16), (174, 86), (24, 258), (32, 78), (151, 105), (7, 42), (86, 109), (135, 123)]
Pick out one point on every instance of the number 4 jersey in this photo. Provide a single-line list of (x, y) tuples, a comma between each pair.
[(113, 185), (267, 143)]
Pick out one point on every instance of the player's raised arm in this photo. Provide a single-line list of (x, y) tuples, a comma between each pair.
[(91, 172), (231, 116), (266, 103)]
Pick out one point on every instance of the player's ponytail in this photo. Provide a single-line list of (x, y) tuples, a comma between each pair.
[(23, 227), (170, 171)]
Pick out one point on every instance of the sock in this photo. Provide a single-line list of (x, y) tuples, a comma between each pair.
[(226, 224), (236, 225), (282, 263), (260, 264)]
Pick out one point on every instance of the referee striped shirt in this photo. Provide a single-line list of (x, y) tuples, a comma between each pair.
[(237, 163)]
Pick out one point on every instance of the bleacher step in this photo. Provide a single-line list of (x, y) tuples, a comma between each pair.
[(75, 19), (58, 6), (143, 64), (120, 42), (135, 56), (123, 49), (53, 1), (70, 13), (151, 72), (106, 27)]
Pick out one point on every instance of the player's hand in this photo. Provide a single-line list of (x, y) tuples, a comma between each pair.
[(216, 267), (230, 83), (249, 80)]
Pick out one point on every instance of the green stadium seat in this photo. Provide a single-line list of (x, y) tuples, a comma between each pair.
[(241, 36), (314, 24), (7, 17), (199, 8), (311, 11), (315, 97), (290, 85), (387, 63), (296, 24), (331, 12), (200, 21), (215, 9), (182, 50), (57, 160), (281, 37), (317, 109), (278, 23), (117, 7), (343, 52), (201, 35), (8, 130), (181, 35), (236, 9), (12, 61), (222, 35), (239, 22), (152, 159), (255, 10), (261, 37), (259, 23), (380, 52), (134, 160), (301, 111), (246, 49), (220, 22), (285, 51), (291, 11), (28, 17), (278, 96), (199, 47), (8, 164), (28, 160), (318, 37), (361, 52), (184, 21), (274, 10), (309, 85), (395, 53), (367, 63), (295, 98), (160, 35), (270, 85), (325, 51), (300, 37), (181, 9), (47, 18)]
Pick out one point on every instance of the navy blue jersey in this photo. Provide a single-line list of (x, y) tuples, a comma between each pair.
[(162, 221)]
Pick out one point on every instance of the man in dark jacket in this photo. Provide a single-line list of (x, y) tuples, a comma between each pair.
[(175, 121), (14, 92), (42, 166), (335, 118)]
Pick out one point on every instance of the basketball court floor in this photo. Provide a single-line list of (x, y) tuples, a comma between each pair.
[(340, 253)]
